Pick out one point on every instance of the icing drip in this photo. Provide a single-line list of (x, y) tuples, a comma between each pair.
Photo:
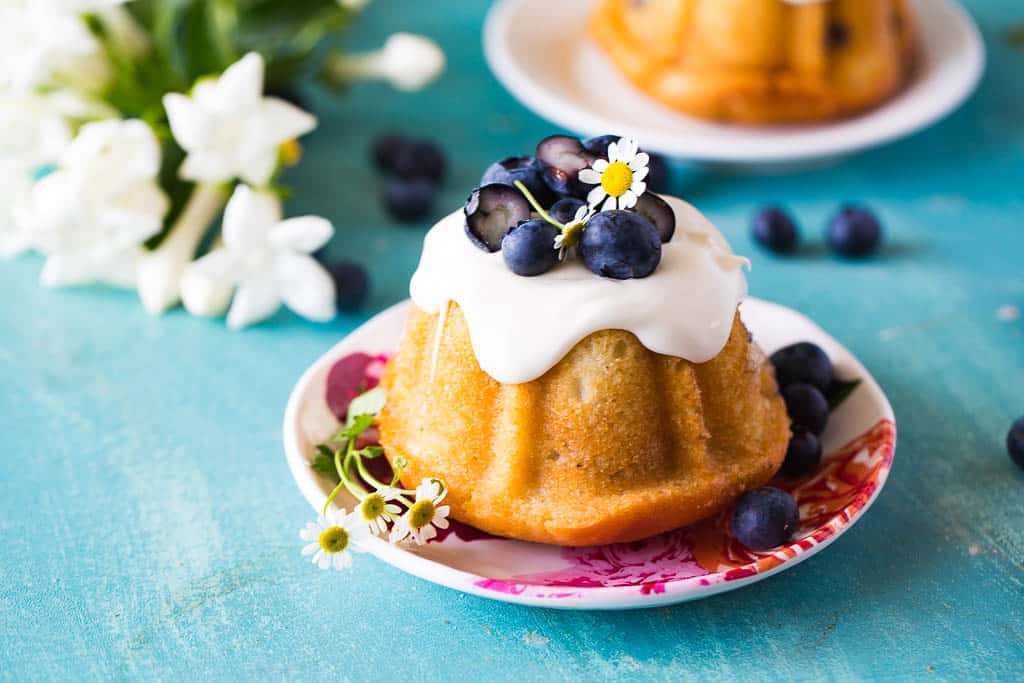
[(522, 326)]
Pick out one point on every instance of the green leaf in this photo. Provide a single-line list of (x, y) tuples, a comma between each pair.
[(355, 426), (371, 451), (839, 391), (367, 403), (323, 461)]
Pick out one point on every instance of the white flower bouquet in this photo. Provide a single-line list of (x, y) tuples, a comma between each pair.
[(127, 129)]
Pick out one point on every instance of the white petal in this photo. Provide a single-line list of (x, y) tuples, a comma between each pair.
[(258, 168), (323, 560), (639, 161), (613, 152), (342, 560), (305, 287), (440, 522), (207, 166), (249, 217), (190, 125), (240, 87), (589, 176), (305, 233), (426, 533), (627, 149), (601, 165), (596, 196), (282, 120), (207, 284), (255, 300), (309, 549), (309, 532), (64, 269), (609, 204), (641, 174), (627, 200), (638, 188)]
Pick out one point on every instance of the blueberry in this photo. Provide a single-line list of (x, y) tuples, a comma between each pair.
[(620, 245), (564, 210), (807, 407), (351, 284), (491, 211), (775, 229), (1015, 442), (658, 174), (598, 145), (529, 248), (803, 362), (561, 159), (420, 159), (384, 150), (765, 518), (409, 200), (803, 454), (524, 169), (854, 232), (657, 211)]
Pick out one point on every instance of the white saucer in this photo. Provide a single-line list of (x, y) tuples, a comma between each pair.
[(681, 565), (539, 50)]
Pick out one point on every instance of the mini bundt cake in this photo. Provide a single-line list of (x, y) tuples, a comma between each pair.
[(761, 61), (574, 409)]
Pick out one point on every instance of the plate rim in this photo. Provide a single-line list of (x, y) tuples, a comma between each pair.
[(800, 145), (586, 597)]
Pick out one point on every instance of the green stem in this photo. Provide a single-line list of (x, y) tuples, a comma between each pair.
[(346, 482), (536, 205)]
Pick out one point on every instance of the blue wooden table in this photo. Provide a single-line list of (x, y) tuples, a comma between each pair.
[(149, 524)]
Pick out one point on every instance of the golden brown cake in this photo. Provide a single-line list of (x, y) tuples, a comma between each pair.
[(612, 444), (761, 61)]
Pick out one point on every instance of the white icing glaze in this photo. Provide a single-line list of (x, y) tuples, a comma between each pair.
[(522, 326)]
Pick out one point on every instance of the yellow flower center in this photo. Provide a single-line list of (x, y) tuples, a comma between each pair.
[(334, 540), (372, 506), (421, 513), (616, 179), (572, 233), (290, 152)]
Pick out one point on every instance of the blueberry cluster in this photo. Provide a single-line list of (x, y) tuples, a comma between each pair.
[(529, 208), (853, 232), (767, 517), (418, 167)]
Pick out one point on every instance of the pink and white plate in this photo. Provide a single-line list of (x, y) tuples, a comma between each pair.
[(681, 565)]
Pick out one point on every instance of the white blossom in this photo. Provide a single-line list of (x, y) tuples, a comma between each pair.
[(229, 129), (407, 61), (92, 214), (268, 261)]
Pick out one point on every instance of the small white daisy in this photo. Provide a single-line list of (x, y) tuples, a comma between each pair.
[(425, 517), (376, 511), (331, 537), (573, 230), (619, 179)]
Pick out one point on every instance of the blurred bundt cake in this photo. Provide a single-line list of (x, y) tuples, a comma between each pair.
[(761, 61)]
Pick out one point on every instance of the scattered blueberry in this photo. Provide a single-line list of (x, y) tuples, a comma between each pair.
[(775, 229), (561, 158), (528, 248), (351, 283), (420, 159), (803, 362), (409, 200), (854, 232), (806, 406), (620, 245), (384, 150), (524, 169), (491, 211), (1015, 442), (564, 210), (598, 145), (657, 211), (765, 518), (803, 454)]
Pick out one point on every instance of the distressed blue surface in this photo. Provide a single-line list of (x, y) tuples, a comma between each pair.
[(149, 524)]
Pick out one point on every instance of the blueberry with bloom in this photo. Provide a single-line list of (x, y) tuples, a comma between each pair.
[(619, 179)]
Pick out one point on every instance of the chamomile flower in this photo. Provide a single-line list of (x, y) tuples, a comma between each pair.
[(619, 180), (573, 230), (376, 511), (426, 516), (331, 537)]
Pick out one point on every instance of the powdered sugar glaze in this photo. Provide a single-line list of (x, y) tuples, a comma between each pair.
[(520, 327)]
